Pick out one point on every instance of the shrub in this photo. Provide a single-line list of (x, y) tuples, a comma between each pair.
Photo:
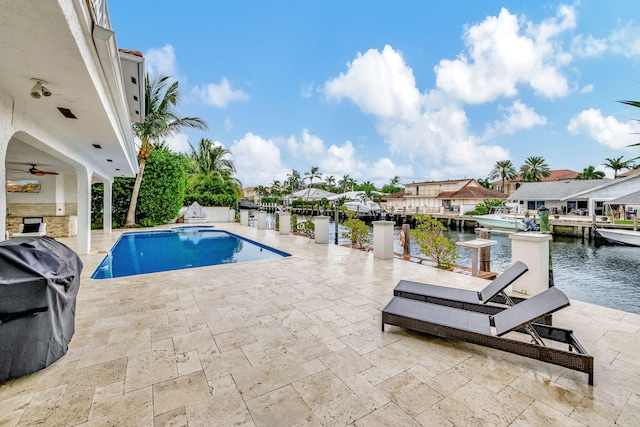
[(161, 193), (433, 244), (307, 227), (358, 231)]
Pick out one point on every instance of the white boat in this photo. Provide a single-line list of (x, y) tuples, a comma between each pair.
[(357, 201), (617, 235), (501, 221)]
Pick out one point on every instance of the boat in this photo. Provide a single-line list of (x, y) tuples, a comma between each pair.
[(359, 202), (500, 220), (620, 236)]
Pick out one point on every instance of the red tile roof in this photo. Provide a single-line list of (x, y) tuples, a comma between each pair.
[(556, 175), (629, 173)]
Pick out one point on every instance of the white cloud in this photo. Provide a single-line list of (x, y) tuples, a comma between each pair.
[(219, 95), (502, 53), (608, 131), (380, 83), (586, 89), (515, 118), (228, 124), (623, 41), (257, 160), (161, 61), (179, 143), (306, 90), (428, 130)]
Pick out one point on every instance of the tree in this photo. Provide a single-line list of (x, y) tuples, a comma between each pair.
[(502, 169), (487, 184), (429, 236), (311, 175), (347, 183), (367, 187), (293, 181), (276, 188), (162, 190), (534, 169), (330, 180), (394, 181), (210, 163), (161, 120), (617, 164), (590, 173)]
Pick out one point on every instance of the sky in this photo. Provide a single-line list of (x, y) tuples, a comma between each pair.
[(422, 90)]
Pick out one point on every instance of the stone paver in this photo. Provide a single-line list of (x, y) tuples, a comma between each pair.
[(297, 341)]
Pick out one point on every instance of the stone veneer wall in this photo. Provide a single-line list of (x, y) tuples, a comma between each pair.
[(31, 209), (57, 226)]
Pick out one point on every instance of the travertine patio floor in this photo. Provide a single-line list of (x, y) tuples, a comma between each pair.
[(297, 341)]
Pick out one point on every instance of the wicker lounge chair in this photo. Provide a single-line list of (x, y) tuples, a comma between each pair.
[(476, 328), (464, 298)]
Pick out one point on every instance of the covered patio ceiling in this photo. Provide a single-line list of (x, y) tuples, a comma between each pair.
[(39, 40)]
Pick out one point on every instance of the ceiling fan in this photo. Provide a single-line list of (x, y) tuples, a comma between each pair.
[(38, 172)]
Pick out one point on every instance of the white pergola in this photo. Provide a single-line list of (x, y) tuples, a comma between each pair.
[(83, 129)]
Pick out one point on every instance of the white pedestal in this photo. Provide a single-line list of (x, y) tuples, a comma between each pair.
[(321, 229), (383, 239), (475, 245), (262, 220), (244, 217), (285, 222), (533, 250)]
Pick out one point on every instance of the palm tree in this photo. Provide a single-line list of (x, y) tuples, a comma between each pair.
[(617, 164), (534, 169), (486, 183), (293, 180), (210, 163), (330, 180), (161, 120), (276, 187), (590, 173), (394, 181), (347, 182), (311, 175), (502, 169)]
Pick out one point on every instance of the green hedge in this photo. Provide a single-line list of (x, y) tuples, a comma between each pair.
[(207, 199)]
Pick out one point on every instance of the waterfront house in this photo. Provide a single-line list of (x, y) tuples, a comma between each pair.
[(250, 193), (511, 185), (583, 197), (68, 97), (459, 195)]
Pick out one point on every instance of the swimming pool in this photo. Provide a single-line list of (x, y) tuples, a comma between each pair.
[(179, 248)]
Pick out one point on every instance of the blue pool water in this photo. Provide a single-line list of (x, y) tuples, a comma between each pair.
[(178, 248)]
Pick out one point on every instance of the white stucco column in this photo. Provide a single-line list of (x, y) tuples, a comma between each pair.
[(262, 220), (533, 250), (244, 217), (383, 239), (107, 218), (84, 209), (321, 224), (232, 215), (285, 222)]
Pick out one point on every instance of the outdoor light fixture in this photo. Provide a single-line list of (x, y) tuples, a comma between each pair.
[(38, 90)]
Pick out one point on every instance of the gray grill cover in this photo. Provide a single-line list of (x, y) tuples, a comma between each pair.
[(39, 281)]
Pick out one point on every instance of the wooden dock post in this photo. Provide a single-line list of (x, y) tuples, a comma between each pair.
[(485, 253), (405, 240)]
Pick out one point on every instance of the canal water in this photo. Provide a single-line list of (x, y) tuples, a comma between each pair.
[(605, 275)]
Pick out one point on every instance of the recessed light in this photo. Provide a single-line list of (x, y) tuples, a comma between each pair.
[(109, 160), (98, 146)]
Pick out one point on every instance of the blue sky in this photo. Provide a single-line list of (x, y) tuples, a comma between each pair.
[(419, 89)]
